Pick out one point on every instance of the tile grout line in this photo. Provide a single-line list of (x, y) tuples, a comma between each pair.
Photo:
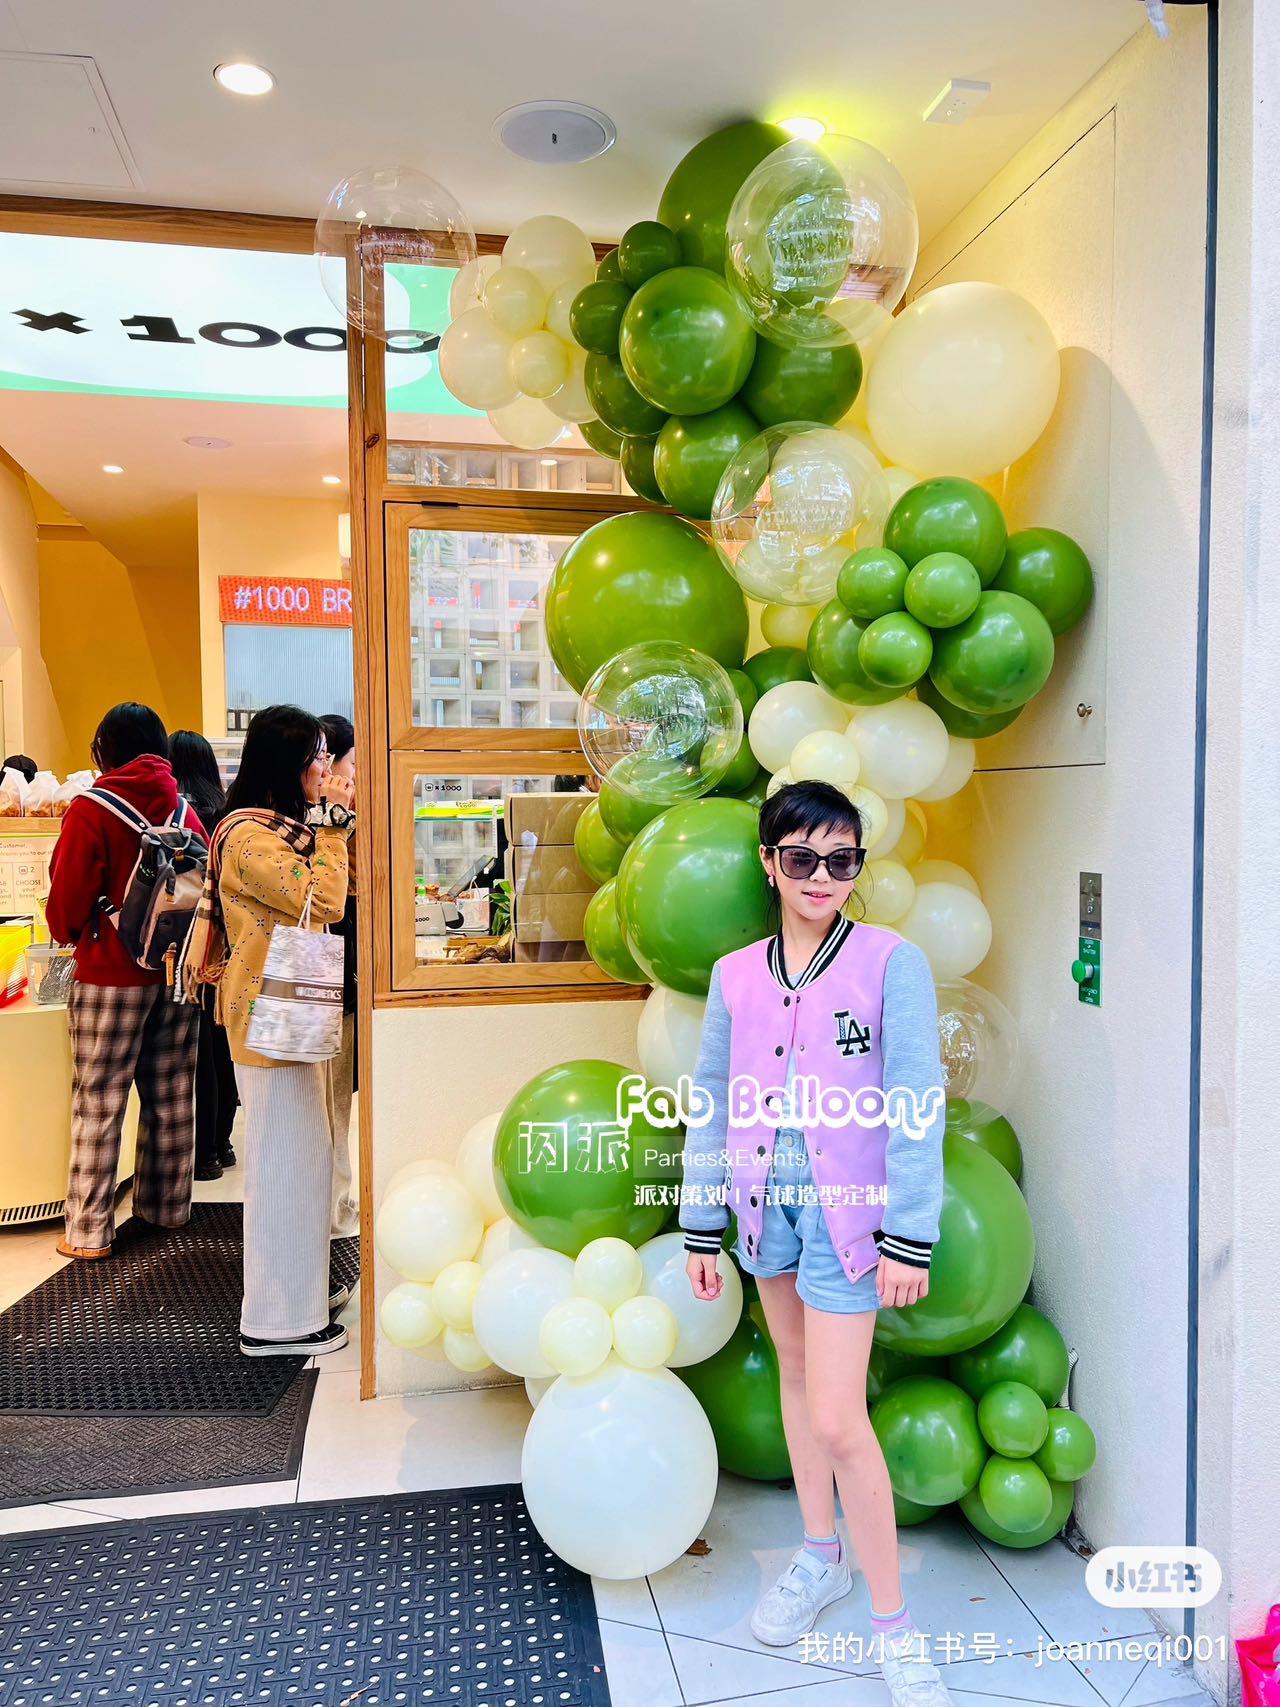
[(666, 1642)]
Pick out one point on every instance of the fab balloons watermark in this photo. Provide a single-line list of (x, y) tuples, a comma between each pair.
[(806, 1104)]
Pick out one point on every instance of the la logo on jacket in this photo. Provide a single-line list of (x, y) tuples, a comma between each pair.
[(852, 1037)]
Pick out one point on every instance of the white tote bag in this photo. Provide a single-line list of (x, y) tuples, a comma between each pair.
[(297, 1014)]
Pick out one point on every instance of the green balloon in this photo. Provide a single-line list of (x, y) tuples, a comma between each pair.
[(637, 465), (603, 935), (756, 792), (1015, 1494), (800, 384), (616, 401), (1060, 1510), (1014, 1420), (575, 1186), (595, 316), (746, 691), (598, 853), (989, 1130), (834, 639), (1070, 1447), (1028, 1348), (707, 848), (907, 1513), (647, 248), (872, 583), (943, 589), (1050, 569), (623, 815), (602, 439), (981, 1263), (975, 725), (884, 1367), (693, 452), (895, 650), (777, 664), (745, 768), (928, 1432), (738, 1388), (609, 268), (636, 577), (997, 659), (699, 193), (686, 342), (948, 514)]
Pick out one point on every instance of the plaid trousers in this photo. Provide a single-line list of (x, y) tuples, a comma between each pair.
[(122, 1036)]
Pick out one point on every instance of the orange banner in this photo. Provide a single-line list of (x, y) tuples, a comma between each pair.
[(283, 601)]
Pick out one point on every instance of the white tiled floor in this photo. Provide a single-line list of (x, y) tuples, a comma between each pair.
[(680, 1639)]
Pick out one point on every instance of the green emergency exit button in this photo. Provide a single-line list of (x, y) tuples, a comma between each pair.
[(1087, 971)]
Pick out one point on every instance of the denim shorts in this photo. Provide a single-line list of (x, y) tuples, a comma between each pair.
[(794, 1238)]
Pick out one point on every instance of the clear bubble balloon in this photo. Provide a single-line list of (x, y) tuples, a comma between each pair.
[(402, 218), (978, 1041), (788, 508), (660, 721), (822, 242)]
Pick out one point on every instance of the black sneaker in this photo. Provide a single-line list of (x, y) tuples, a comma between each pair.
[(208, 1170), (338, 1296), (332, 1338), (227, 1156)]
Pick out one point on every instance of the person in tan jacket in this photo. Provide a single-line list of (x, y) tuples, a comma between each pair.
[(284, 838)]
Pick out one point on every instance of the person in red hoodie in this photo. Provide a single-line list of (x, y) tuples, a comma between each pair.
[(125, 1028)]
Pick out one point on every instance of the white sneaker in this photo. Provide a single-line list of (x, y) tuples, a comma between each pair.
[(912, 1678), (792, 1605)]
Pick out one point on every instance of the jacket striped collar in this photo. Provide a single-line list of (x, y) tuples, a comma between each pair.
[(840, 932)]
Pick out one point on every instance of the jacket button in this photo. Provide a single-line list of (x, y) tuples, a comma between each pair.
[(802, 1048), (817, 1152), (760, 1150), (754, 1202), (778, 1050), (786, 1001)]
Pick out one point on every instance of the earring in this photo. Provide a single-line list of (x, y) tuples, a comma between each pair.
[(770, 880)]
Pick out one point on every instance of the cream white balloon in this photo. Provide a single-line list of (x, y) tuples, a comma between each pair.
[(427, 1224), (475, 362), (571, 402), (537, 1386), (416, 1170), (552, 248), (946, 871), (961, 757), (873, 813), (703, 1324), (467, 290), (515, 300), (825, 756), (528, 424), (464, 1351), (455, 1291), (645, 1332), (475, 1166), (788, 625), (502, 1238), (788, 712), (895, 822), (779, 779), (512, 1298), (896, 482), (539, 364), (607, 1271), (903, 744), (408, 1315), (886, 889), (910, 848), (668, 1035), (576, 1336), (951, 925), (558, 305)]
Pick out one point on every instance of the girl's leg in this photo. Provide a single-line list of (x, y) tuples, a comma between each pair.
[(811, 1465), (288, 1165)]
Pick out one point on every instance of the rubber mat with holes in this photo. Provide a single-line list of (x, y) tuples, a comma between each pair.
[(408, 1600)]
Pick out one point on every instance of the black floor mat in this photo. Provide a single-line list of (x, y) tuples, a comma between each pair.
[(153, 1331), (393, 1601)]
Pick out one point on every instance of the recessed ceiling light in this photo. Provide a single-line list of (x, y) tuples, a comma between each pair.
[(200, 443), (550, 462), (242, 77), (803, 129), (331, 479), (112, 468), (555, 133)]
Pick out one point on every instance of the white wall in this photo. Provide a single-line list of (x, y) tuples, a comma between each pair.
[(1100, 222)]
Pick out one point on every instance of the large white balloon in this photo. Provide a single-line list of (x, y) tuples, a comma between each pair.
[(668, 1036), (825, 756), (961, 757), (467, 290), (510, 1302), (873, 811), (427, 1224), (887, 890), (554, 249), (705, 1324), (891, 835), (475, 362), (536, 1387), (952, 927), (910, 848), (502, 1238), (528, 423), (475, 1165), (515, 300), (903, 746), (619, 1470), (415, 1170), (945, 871), (788, 712)]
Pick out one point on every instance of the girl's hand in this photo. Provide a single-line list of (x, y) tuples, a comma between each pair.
[(704, 1277), (338, 790), (900, 1285)]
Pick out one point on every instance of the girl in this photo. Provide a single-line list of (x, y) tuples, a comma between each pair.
[(834, 1220), (344, 1220)]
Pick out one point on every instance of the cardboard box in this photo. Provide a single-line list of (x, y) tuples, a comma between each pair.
[(551, 870), (549, 818), (550, 918)]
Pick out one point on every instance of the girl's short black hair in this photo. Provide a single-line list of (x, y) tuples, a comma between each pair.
[(806, 807), (195, 770), (127, 732), (279, 744), (339, 732)]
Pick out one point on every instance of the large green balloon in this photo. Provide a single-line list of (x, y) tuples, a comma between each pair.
[(693, 452), (691, 888), (1027, 1348), (799, 384), (595, 316), (560, 1171), (741, 772), (948, 514), (895, 650), (603, 934), (616, 401), (1050, 569), (1015, 1494), (602, 439), (1014, 1421), (834, 658), (997, 659), (978, 1515), (989, 1130), (1070, 1447), (777, 664), (598, 853), (872, 583), (686, 343), (738, 1389), (972, 724), (637, 465), (757, 791), (699, 193), (928, 1430), (981, 1263), (907, 1513), (884, 1367), (625, 815), (647, 248), (943, 589), (641, 576)]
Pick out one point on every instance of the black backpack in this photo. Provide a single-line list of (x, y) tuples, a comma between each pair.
[(164, 886)]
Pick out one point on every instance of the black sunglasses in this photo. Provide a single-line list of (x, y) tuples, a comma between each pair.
[(797, 860)]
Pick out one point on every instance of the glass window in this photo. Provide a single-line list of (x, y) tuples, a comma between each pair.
[(551, 470)]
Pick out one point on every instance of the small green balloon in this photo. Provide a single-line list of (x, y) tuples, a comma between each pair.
[(995, 660), (895, 650), (872, 583), (595, 316), (1015, 1493), (617, 402), (637, 465), (602, 439), (1027, 1348), (1060, 1510), (1070, 1447), (686, 343), (598, 853), (884, 1367), (943, 589), (948, 514), (907, 1514), (738, 1388), (741, 772), (693, 451), (609, 268), (1014, 1419), (799, 384), (756, 792), (746, 691), (834, 658), (973, 725), (623, 815), (647, 247), (928, 1431), (604, 939), (777, 664), (984, 1127), (1050, 569), (699, 193)]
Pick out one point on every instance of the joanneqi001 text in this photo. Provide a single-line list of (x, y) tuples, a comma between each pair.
[(808, 1104)]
